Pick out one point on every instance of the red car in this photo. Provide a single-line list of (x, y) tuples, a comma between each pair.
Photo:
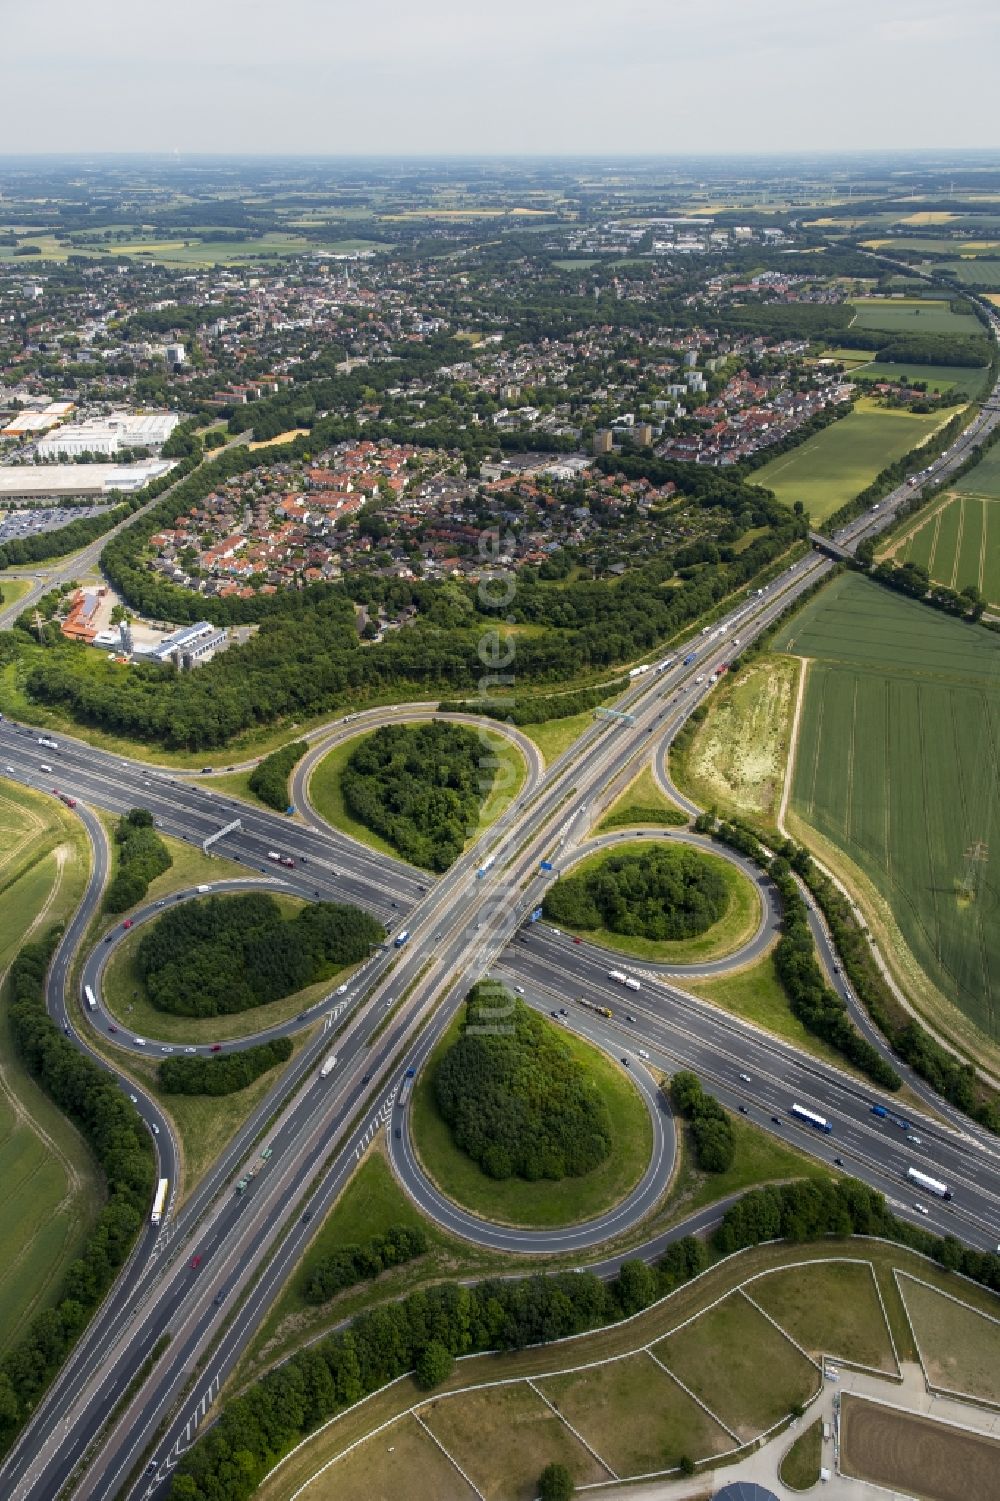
[(216, 1047), (127, 923), (577, 940), (194, 1263), (112, 1028)]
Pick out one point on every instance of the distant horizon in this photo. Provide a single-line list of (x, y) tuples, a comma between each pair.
[(324, 76), (926, 154)]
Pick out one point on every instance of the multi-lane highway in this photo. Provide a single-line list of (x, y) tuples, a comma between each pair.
[(209, 1275)]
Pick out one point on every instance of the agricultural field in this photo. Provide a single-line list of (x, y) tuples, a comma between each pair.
[(896, 767), (960, 380), (911, 315), (913, 1455), (983, 478), (51, 1186), (959, 1346), (983, 272), (829, 470), (958, 541)]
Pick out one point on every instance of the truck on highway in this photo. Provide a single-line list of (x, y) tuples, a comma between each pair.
[(930, 1185), (632, 983), (48, 744), (618, 975), (401, 938), (486, 865), (406, 1086), (667, 662), (637, 672), (273, 855), (159, 1202), (328, 1065), (89, 997), (287, 862), (810, 1118), (690, 658)]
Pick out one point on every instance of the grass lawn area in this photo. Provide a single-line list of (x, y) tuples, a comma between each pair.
[(402, 1461), (912, 315), (896, 770), (205, 1124), (760, 1158), (756, 994), (762, 1377), (52, 1186), (737, 757), (959, 1348), (735, 927), (799, 1469), (326, 797), (967, 380), (514, 1201), (554, 736), (125, 998), (849, 356), (831, 1308), (635, 1417), (12, 589), (827, 471), (504, 1436), (744, 1371), (642, 802)]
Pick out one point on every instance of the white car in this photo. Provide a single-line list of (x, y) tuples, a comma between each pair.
[(190, 1050), (921, 1208), (644, 1054), (341, 989), (165, 1049), (519, 989), (746, 1078), (134, 1098), (154, 1128), (140, 1042)]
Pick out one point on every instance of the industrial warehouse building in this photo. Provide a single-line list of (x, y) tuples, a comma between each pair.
[(108, 435)]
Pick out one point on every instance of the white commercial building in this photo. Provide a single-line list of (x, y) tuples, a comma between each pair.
[(109, 435), (51, 482)]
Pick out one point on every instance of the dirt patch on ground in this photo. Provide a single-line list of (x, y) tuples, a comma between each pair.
[(915, 1455), (737, 758)]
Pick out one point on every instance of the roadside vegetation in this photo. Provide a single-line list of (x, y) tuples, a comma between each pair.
[(140, 856), (269, 778), (227, 954), (222, 1074), (671, 903), (52, 1187), (517, 1102), (539, 1201), (641, 804)]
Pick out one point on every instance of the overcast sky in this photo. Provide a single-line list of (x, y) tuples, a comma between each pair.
[(496, 76)]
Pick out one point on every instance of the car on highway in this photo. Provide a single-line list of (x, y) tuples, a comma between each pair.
[(108, 937), (112, 1027), (921, 1208), (165, 1047), (194, 1263), (154, 1128), (134, 1098), (140, 1042), (838, 1162), (775, 1120), (629, 1018), (563, 1011), (216, 1047), (127, 924), (577, 940), (555, 1014), (625, 1062), (190, 1050), (746, 1078), (743, 1110), (519, 989), (644, 1054), (341, 989)]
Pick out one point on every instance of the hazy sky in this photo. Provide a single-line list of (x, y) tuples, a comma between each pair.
[(479, 76)]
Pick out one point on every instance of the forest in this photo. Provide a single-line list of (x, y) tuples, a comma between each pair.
[(420, 787), (225, 954), (711, 1128), (350, 1264), (666, 892), (517, 1101)]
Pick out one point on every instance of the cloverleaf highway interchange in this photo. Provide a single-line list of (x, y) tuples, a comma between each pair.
[(147, 1374)]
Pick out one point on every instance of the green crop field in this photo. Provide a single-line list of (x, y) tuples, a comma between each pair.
[(897, 767), (983, 478), (51, 1187), (829, 470), (958, 542), (962, 380), (904, 315), (983, 272)]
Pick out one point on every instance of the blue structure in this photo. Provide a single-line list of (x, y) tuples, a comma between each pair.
[(744, 1490)]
